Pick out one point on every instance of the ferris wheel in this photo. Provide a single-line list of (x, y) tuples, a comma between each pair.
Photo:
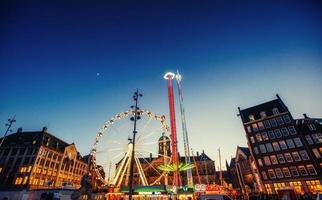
[(113, 146)]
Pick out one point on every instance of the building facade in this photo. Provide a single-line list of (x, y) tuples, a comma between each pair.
[(39, 160), (287, 152)]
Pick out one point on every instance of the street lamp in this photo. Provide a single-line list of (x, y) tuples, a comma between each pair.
[(11, 121), (134, 119)]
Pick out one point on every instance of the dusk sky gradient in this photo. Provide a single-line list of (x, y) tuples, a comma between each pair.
[(230, 53)]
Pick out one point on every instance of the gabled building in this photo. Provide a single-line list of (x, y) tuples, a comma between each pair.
[(39, 160), (286, 152), (247, 172)]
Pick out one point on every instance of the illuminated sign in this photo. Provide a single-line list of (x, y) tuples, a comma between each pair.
[(200, 187)]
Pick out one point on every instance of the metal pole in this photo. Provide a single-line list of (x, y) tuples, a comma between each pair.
[(135, 118), (11, 121), (184, 131)]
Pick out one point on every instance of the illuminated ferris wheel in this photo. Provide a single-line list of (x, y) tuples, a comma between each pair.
[(113, 146)]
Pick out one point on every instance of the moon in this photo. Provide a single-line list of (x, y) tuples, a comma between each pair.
[(97, 74)]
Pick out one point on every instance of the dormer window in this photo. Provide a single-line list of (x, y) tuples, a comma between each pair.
[(275, 111), (251, 117), (263, 114)]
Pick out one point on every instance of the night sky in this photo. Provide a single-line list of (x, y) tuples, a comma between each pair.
[(70, 65)]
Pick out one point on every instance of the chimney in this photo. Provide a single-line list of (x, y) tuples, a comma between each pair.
[(19, 130), (44, 129), (197, 153), (150, 156), (305, 116)]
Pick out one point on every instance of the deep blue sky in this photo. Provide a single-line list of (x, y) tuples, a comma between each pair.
[(231, 53)]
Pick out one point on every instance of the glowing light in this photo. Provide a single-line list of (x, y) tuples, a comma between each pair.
[(169, 75)]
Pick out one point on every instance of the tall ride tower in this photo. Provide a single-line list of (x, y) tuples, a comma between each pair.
[(184, 131), (169, 76)]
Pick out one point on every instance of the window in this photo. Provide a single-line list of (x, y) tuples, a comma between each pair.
[(264, 175), (14, 151), (316, 153), (252, 140), (317, 138), (267, 161), (311, 127), (274, 160), (298, 142), (262, 148), (255, 127), (269, 147), (285, 131), (261, 125), (271, 174), (287, 119), (260, 162), (259, 137), (22, 151), (271, 135), (294, 171), (279, 173), (265, 136), (29, 151), (302, 170), (279, 121), (276, 146), (290, 143), (256, 150), (283, 144), (288, 157), (273, 122), (311, 169), (292, 130), (280, 158), (275, 111), (304, 155), (278, 133), (286, 172), (251, 117), (267, 124), (249, 129), (309, 139), (296, 156)]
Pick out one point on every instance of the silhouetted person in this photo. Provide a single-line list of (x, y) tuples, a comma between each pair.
[(86, 188)]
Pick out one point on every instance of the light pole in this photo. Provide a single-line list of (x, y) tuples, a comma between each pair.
[(135, 118), (11, 121)]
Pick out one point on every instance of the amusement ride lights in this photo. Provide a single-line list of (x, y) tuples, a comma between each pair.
[(169, 76)]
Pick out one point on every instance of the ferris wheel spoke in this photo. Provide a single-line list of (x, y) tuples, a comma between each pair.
[(144, 127), (149, 134), (151, 166), (147, 143)]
